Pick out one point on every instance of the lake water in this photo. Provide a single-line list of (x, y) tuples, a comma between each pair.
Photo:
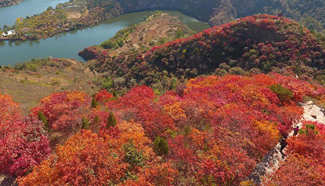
[(69, 44), (8, 15)]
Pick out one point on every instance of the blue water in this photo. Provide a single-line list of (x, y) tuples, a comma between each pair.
[(66, 45), (69, 44), (8, 15)]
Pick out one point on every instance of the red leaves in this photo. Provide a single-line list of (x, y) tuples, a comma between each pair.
[(214, 133), (139, 105), (23, 142), (260, 41), (298, 170), (103, 96), (229, 170), (85, 159), (90, 159), (64, 110), (306, 158), (310, 142)]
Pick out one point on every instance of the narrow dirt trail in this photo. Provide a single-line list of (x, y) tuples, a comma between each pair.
[(271, 162)]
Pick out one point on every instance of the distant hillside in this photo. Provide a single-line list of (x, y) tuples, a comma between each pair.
[(78, 14), (5, 3), (128, 44), (201, 9), (157, 29), (311, 12), (27, 83), (253, 44)]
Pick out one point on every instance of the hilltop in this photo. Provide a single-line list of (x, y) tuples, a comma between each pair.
[(219, 12), (254, 44), (126, 46)]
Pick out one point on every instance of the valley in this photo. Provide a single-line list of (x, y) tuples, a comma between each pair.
[(68, 45), (147, 92)]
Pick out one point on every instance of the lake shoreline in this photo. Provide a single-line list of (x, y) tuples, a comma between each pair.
[(68, 44), (7, 3)]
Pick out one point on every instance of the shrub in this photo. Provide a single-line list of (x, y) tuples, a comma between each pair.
[(85, 159), (107, 83), (85, 123), (160, 146), (111, 120), (94, 102), (133, 156), (44, 120), (283, 94), (63, 111)]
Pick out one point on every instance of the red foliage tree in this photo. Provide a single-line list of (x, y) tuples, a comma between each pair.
[(64, 111), (23, 142)]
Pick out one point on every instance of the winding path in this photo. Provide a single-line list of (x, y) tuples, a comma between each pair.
[(270, 163)]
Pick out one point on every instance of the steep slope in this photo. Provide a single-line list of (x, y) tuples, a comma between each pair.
[(222, 11), (213, 132), (268, 168), (260, 43), (201, 9), (27, 83), (128, 44), (157, 29)]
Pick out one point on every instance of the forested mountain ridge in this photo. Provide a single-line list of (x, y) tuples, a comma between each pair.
[(311, 13), (254, 44), (82, 13)]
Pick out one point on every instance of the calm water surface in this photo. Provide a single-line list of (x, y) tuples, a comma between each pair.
[(69, 44)]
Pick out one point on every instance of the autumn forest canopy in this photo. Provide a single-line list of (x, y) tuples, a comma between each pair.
[(240, 103), (213, 131)]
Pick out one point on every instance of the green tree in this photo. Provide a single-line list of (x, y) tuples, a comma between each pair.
[(111, 120)]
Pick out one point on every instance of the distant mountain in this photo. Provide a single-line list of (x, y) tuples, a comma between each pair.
[(77, 14), (311, 12), (254, 44)]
